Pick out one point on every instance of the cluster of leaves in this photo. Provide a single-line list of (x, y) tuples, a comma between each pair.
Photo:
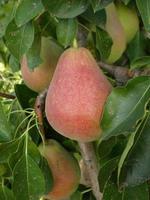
[(123, 150)]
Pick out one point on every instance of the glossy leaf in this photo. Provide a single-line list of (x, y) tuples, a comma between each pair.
[(124, 107), (19, 40), (144, 8), (65, 8), (28, 180), (66, 31), (27, 10)]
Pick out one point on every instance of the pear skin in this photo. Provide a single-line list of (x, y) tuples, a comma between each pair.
[(65, 170), (129, 20), (76, 96), (39, 78), (116, 32)]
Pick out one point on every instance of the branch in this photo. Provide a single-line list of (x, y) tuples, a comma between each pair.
[(89, 158), (123, 74), (39, 109), (7, 96)]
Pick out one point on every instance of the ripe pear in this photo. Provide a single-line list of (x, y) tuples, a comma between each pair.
[(39, 78), (129, 20), (115, 30), (65, 170), (76, 96)]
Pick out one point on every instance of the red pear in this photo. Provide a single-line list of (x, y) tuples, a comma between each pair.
[(76, 96), (65, 170)]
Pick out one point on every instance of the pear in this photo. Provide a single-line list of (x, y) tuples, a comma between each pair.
[(65, 170), (77, 95), (39, 78), (115, 30), (129, 20)]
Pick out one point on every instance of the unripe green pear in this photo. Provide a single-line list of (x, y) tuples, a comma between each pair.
[(129, 20), (65, 170), (116, 32), (39, 78), (76, 96)]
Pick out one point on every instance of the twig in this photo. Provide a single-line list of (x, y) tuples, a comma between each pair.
[(39, 109), (89, 157), (7, 96), (122, 74)]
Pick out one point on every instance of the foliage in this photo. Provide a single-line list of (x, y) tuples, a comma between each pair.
[(123, 149)]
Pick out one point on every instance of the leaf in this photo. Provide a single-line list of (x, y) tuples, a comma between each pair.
[(144, 9), (66, 31), (7, 12), (140, 62), (19, 40), (124, 107), (33, 55), (140, 192), (126, 1), (5, 127), (77, 195), (65, 8), (106, 172), (8, 148), (47, 175), (5, 193), (137, 163), (103, 43), (14, 64), (99, 4), (27, 10), (136, 47), (24, 95), (98, 18), (28, 180)]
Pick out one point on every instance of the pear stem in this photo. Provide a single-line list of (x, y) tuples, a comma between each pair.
[(75, 43), (90, 160)]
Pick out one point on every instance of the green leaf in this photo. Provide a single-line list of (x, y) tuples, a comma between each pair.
[(27, 10), (7, 12), (140, 192), (99, 4), (103, 43), (47, 175), (65, 8), (140, 62), (124, 107), (33, 55), (136, 47), (98, 18), (106, 172), (5, 127), (28, 180), (137, 163), (7, 149), (5, 193), (14, 64), (77, 195), (25, 95), (19, 40), (66, 31), (144, 9)]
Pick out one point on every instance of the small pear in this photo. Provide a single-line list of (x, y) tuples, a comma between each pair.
[(115, 30), (65, 170), (39, 78), (129, 20), (77, 95)]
